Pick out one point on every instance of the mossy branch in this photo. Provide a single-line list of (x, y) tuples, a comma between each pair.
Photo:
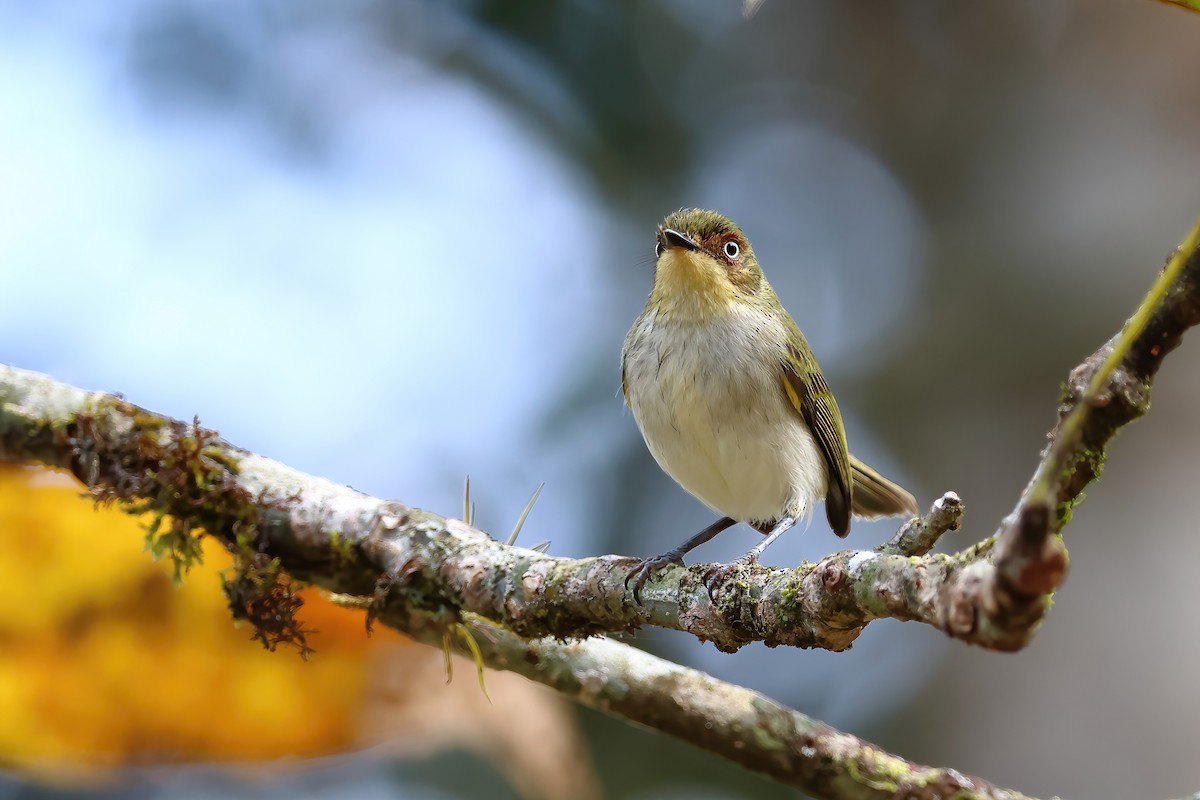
[(190, 480), (423, 572), (992, 594)]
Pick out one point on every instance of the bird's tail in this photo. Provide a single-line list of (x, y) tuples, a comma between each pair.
[(875, 496)]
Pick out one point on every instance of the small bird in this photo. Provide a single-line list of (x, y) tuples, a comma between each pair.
[(730, 400)]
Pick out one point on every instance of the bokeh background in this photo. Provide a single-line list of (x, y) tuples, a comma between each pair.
[(394, 243)]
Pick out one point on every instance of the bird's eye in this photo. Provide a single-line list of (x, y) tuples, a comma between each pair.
[(732, 250)]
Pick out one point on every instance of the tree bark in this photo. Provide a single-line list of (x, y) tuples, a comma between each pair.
[(430, 576)]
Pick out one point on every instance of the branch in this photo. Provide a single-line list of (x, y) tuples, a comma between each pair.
[(353, 544), (995, 593), (992, 594), (344, 541), (722, 718), (1106, 392), (426, 573)]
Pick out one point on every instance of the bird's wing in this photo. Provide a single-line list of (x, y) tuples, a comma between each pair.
[(810, 396)]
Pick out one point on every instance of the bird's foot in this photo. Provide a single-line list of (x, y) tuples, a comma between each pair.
[(646, 568), (719, 573)]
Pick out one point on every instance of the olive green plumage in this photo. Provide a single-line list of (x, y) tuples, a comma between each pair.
[(729, 396)]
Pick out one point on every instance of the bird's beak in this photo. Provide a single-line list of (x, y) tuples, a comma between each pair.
[(673, 238)]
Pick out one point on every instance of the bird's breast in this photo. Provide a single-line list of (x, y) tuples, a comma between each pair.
[(709, 400)]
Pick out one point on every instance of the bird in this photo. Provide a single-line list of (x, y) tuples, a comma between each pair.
[(731, 402)]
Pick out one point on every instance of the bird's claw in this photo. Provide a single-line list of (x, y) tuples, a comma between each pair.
[(645, 570), (719, 573)]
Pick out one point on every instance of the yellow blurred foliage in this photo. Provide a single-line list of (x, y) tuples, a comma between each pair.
[(105, 662)]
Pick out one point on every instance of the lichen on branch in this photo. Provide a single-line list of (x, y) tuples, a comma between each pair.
[(993, 593), (424, 573)]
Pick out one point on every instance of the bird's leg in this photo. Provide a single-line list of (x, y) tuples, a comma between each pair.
[(646, 568), (715, 576)]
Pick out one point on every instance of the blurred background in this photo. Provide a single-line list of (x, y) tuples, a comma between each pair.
[(394, 243)]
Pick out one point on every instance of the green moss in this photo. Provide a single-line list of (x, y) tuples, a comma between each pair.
[(184, 478), (343, 548), (792, 591), (788, 592), (1066, 395), (852, 769), (174, 538), (259, 592), (767, 739)]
